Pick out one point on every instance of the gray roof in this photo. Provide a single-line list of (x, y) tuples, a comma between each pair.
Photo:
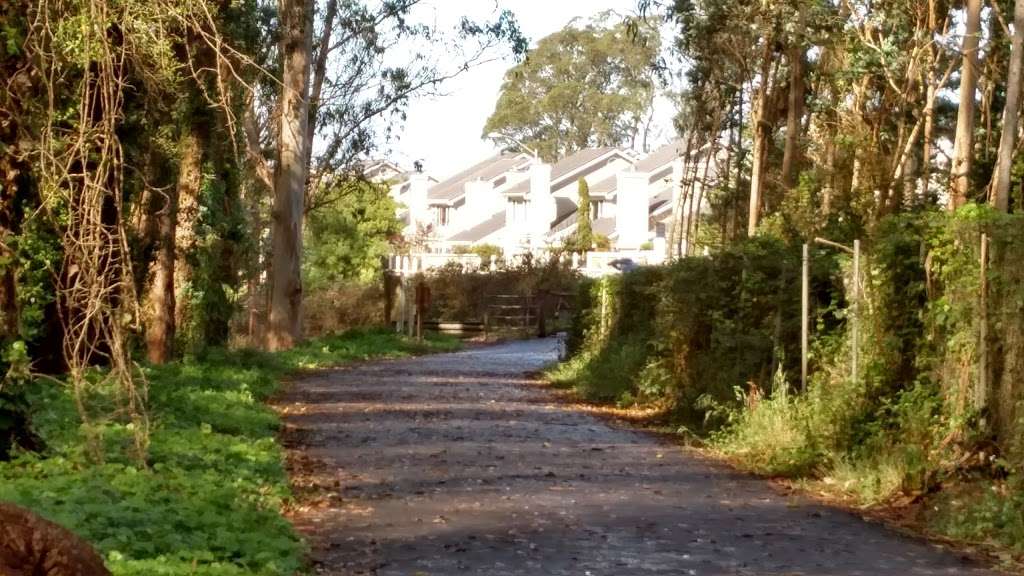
[(661, 157), (566, 167), (605, 187), (481, 230), (604, 226), (660, 200), (570, 164), (565, 209), (489, 169)]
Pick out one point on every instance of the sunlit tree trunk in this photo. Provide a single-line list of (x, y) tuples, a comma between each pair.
[(963, 148), (1011, 114), (761, 132), (794, 117), (173, 233), (290, 175)]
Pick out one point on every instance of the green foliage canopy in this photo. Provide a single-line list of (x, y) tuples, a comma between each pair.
[(586, 85), (346, 240)]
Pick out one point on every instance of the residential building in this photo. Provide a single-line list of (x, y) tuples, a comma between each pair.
[(523, 205)]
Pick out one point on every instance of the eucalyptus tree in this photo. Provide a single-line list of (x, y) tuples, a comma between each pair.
[(1000, 193), (589, 84), (963, 146), (339, 94)]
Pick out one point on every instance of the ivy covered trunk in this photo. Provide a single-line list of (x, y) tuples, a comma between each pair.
[(169, 270)]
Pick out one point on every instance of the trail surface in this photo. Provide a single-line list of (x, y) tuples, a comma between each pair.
[(455, 464)]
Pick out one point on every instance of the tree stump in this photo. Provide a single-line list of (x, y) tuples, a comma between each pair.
[(33, 546)]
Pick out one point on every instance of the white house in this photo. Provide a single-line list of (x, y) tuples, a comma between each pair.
[(521, 204)]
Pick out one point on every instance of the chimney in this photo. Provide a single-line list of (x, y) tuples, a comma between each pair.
[(631, 210), (416, 201), (542, 208), (481, 203)]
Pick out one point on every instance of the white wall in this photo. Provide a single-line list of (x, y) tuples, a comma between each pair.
[(482, 201), (542, 209), (631, 214)]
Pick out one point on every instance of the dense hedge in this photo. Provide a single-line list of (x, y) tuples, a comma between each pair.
[(691, 332), (716, 341)]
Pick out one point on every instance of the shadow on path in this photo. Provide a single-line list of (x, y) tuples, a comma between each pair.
[(449, 464)]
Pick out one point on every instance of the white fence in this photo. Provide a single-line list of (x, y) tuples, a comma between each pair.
[(593, 264)]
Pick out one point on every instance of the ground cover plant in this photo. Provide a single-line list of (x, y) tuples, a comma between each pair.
[(209, 499)]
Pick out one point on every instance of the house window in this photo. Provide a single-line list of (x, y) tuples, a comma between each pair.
[(441, 215), (596, 209), (659, 230), (518, 210)]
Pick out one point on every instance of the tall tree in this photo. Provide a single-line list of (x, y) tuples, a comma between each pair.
[(762, 127), (165, 270), (1011, 114), (963, 146), (290, 174), (794, 107), (585, 85)]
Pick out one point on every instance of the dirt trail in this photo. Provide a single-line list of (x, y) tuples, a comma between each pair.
[(452, 464)]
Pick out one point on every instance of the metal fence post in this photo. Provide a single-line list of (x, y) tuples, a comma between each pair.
[(855, 329), (981, 394), (805, 297)]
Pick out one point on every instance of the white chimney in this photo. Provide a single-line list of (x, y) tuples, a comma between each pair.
[(416, 201), (542, 208), (482, 202), (631, 210)]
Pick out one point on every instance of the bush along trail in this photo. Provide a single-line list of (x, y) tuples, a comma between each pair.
[(926, 434), (209, 499)]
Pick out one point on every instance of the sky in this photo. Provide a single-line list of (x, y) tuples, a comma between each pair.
[(444, 131)]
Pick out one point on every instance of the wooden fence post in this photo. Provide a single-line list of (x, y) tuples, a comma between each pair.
[(400, 308)]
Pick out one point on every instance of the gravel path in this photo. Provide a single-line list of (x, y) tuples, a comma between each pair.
[(453, 464)]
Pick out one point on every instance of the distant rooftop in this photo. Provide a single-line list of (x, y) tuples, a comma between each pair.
[(659, 162), (566, 166), (489, 169), (481, 230)]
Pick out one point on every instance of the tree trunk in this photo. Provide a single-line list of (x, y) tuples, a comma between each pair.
[(963, 148), (794, 117), (757, 173), (160, 299), (931, 74), (1011, 114), (290, 175), (318, 75), (183, 230), (759, 126)]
